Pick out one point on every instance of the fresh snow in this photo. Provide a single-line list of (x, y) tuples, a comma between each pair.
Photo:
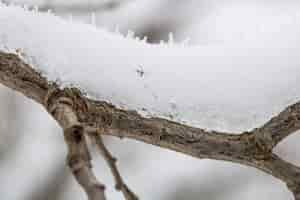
[(232, 85)]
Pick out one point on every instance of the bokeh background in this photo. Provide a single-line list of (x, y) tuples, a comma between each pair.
[(32, 151)]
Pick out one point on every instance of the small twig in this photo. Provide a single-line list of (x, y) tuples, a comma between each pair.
[(111, 161)]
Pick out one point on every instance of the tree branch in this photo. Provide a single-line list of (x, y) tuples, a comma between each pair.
[(78, 159), (252, 148), (280, 126)]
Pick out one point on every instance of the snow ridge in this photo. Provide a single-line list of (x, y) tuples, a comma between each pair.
[(226, 86)]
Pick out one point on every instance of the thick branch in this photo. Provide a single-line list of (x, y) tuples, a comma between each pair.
[(249, 148)]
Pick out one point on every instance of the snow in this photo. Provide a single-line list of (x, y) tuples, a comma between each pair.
[(230, 85)]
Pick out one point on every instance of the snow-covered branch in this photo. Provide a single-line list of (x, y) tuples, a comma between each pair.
[(220, 86), (249, 148), (155, 93)]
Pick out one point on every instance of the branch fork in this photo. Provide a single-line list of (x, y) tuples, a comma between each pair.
[(62, 105)]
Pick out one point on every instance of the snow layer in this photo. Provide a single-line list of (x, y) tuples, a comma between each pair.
[(229, 86)]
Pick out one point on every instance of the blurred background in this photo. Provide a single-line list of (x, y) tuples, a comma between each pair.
[(32, 151)]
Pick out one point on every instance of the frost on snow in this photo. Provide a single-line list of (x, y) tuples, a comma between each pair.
[(230, 86)]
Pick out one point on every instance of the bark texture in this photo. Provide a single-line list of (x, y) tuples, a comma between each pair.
[(78, 115), (78, 159)]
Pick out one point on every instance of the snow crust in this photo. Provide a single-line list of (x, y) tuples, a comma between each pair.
[(232, 85)]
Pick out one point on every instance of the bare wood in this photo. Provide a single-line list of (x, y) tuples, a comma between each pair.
[(252, 148)]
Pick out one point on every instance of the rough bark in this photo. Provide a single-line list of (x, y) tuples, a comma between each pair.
[(78, 159), (253, 148)]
